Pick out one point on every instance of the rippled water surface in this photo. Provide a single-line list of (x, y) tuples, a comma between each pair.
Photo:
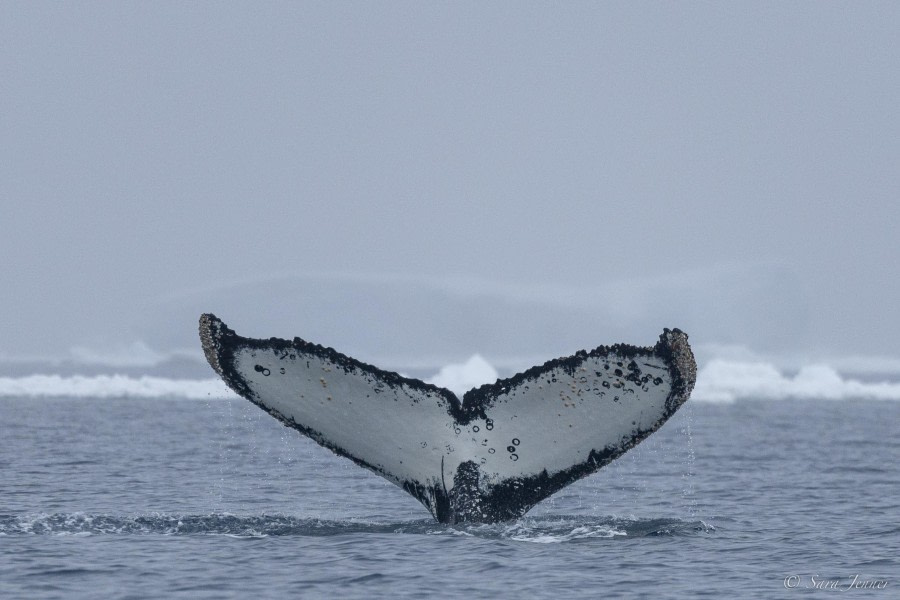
[(193, 499)]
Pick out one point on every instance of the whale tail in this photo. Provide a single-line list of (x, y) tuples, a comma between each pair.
[(490, 457)]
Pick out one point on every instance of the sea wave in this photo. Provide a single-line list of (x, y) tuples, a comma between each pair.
[(538, 530), (727, 381)]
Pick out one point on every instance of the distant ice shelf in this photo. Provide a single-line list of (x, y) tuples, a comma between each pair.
[(718, 381)]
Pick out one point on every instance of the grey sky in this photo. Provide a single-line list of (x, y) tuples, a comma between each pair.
[(729, 168)]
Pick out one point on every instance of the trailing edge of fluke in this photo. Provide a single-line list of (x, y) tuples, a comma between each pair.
[(489, 457)]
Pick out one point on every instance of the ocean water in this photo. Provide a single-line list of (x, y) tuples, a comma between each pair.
[(192, 498)]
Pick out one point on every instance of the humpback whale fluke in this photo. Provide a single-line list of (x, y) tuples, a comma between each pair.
[(491, 457)]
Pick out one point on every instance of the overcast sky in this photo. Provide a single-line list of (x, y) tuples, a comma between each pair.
[(729, 168)]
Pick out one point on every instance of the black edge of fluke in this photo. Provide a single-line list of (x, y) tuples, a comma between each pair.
[(673, 346), (508, 499), (211, 329), (215, 337)]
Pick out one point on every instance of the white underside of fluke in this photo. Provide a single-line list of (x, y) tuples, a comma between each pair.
[(404, 432), (544, 425)]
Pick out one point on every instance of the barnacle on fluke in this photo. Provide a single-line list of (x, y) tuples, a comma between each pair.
[(553, 424)]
